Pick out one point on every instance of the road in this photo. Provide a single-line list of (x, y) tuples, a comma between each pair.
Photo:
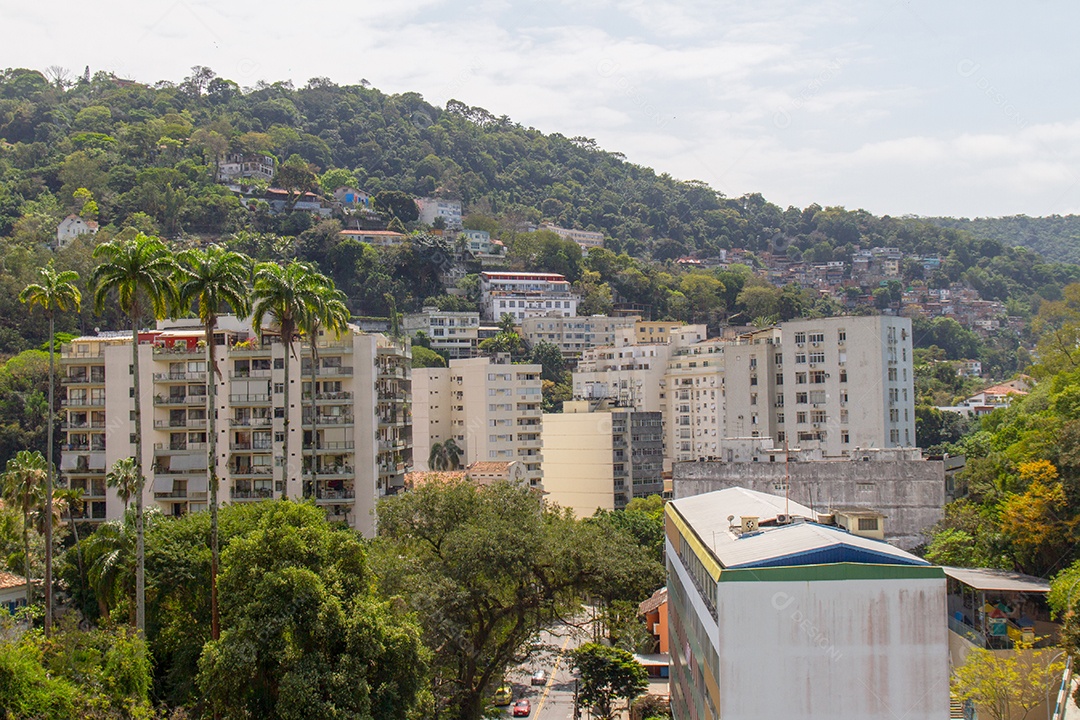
[(555, 700)]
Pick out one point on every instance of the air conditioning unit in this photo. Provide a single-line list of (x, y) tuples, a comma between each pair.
[(749, 524), (813, 365), (801, 344), (817, 344), (783, 519)]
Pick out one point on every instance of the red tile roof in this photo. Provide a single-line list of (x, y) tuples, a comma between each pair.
[(11, 580)]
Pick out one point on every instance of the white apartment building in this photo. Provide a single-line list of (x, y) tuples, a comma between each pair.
[(358, 455), (586, 239), (631, 375), (524, 295), (490, 407), (848, 383), (451, 331), (448, 210), (574, 335)]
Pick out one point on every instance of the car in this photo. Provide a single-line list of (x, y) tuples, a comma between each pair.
[(503, 696), (522, 708), (538, 678)]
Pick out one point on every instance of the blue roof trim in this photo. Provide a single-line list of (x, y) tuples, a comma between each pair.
[(837, 553)]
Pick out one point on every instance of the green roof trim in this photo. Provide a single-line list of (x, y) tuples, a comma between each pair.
[(832, 571)]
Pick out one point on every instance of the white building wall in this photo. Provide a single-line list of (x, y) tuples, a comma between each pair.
[(845, 650)]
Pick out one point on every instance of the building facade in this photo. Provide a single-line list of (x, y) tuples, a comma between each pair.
[(586, 239), (774, 615), (354, 448), (601, 459), (455, 333), (432, 208), (489, 407), (523, 295), (574, 335)]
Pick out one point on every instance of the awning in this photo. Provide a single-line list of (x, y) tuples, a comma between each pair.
[(998, 580)]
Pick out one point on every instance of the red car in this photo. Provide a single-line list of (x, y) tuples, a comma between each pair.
[(522, 708)]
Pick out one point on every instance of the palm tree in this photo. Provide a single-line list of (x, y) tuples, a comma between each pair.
[(437, 457), (111, 551), (453, 454), (124, 478), (73, 501), (214, 278), (55, 291), (23, 479), (139, 272), (282, 295), (327, 313)]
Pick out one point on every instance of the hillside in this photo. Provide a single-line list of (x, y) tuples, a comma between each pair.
[(1055, 237)]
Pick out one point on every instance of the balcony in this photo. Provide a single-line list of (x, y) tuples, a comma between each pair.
[(332, 371), (251, 422), (180, 471), (391, 445), (250, 399), (82, 379), (329, 397), (340, 471), (180, 377), (171, 448), (334, 495), (386, 373), (244, 350), (179, 350), (257, 446), (332, 446), (257, 471), (90, 402), (179, 400), (193, 423), (256, 494), (330, 420), (250, 374)]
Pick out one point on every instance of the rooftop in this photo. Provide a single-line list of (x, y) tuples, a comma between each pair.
[(11, 580), (799, 542), (998, 580)]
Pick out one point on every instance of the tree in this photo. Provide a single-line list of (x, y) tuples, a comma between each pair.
[(397, 205), (327, 312), (213, 279), (124, 478), (1008, 686), (608, 674), (282, 296), (297, 177), (24, 478), (486, 568), (444, 456), (138, 271), (423, 357), (549, 357), (54, 292), (303, 633)]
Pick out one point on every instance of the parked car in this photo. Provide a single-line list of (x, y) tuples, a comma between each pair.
[(539, 678), (522, 708)]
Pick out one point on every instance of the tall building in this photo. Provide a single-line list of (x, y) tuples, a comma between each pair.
[(490, 407), (454, 332), (601, 459), (586, 239), (574, 335), (774, 615), (848, 382), (525, 294), (359, 440)]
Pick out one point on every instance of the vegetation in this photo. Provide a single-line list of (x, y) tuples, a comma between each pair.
[(1006, 686), (607, 675)]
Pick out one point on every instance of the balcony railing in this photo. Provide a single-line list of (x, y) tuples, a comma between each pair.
[(251, 422), (82, 380), (179, 447), (346, 494), (83, 402), (180, 377), (259, 494), (335, 370), (167, 400), (250, 374), (331, 420), (188, 471), (249, 398), (260, 445), (186, 423), (252, 471), (178, 350), (333, 445)]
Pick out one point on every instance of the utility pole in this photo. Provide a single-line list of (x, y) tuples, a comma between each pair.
[(577, 710)]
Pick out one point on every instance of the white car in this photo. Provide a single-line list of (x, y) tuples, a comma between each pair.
[(538, 678)]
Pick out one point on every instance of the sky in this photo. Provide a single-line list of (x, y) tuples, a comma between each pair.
[(908, 107)]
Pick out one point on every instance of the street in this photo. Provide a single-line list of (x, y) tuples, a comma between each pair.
[(554, 700)]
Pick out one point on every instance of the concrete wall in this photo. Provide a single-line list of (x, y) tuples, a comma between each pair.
[(577, 461), (910, 494), (851, 650)]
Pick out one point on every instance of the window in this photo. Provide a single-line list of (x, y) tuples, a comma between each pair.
[(817, 377), (779, 378), (817, 357), (801, 398), (780, 418), (892, 374), (817, 337), (279, 412), (753, 363), (800, 417), (894, 415), (817, 416), (845, 437), (800, 378), (843, 375), (781, 436), (800, 358), (843, 416), (894, 436), (279, 363), (841, 336), (779, 358), (817, 397), (753, 379), (800, 337), (753, 398), (843, 396), (868, 524)]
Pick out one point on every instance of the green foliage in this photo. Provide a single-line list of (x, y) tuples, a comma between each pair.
[(303, 633), (486, 568), (607, 675), (423, 357)]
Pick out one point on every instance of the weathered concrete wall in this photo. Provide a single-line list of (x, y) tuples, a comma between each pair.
[(910, 494)]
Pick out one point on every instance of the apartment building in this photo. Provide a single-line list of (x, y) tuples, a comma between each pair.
[(357, 454), (586, 239), (848, 383), (655, 331), (775, 611), (601, 459), (524, 295), (455, 333), (631, 375), (490, 407), (574, 335), (432, 208)]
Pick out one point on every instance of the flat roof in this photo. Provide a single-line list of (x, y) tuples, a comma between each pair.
[(801, 542), (1001, 580)]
